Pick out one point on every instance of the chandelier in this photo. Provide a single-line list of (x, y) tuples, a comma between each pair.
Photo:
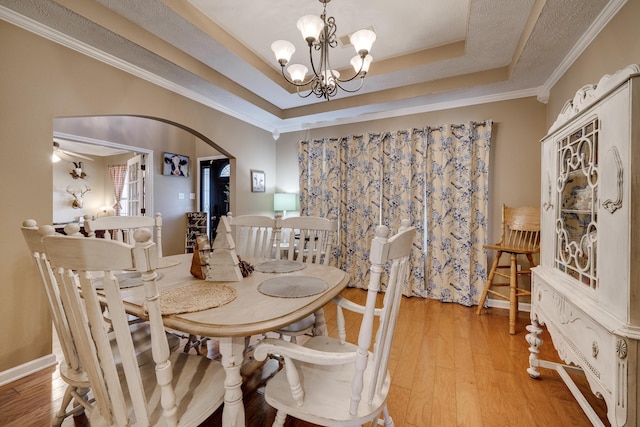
[(320, 35)]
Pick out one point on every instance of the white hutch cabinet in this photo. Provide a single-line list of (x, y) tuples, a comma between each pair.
[(586, 289)]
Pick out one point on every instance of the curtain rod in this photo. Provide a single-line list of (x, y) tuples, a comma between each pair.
[(426, 128)]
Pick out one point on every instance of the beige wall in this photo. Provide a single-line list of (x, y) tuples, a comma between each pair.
[(515, 150), (42, 81), (617, 46)]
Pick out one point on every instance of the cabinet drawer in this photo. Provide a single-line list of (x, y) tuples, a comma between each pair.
[(578, 338)]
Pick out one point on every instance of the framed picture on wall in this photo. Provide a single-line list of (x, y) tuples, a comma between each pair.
[(175, 165), (257, 181)]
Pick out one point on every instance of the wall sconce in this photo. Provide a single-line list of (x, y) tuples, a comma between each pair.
[(285, 202)]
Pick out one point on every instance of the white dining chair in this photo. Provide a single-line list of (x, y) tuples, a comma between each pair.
[(330, 381), (255, 236), (178, 388), (307, 239), (70, 369), (121, 228)]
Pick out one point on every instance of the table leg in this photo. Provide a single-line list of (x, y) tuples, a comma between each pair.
[(232, 350), (321, 324)]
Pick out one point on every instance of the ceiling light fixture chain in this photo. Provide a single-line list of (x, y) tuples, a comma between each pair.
[(320, 35)]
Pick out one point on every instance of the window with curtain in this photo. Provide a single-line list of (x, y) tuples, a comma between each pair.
[(118, 175), (436, 177)]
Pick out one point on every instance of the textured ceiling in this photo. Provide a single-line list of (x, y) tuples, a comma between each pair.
[(429, 54)]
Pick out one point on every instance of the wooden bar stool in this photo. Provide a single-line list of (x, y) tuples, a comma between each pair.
[(520, 236)]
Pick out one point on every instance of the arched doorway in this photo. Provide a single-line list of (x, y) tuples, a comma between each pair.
[(171, 196)]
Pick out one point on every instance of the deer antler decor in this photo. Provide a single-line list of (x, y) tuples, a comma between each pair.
[(77, 196)]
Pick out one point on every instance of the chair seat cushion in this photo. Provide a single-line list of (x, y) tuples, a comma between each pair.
[(327, 389), (300, 327)]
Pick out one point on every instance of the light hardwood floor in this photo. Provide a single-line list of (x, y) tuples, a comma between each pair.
[(449, 368)]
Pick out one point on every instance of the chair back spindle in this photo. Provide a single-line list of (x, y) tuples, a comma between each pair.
[(309, 239), (121, 228), (255, 236), (521, 228)]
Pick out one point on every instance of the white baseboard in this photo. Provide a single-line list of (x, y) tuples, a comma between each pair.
[(497, 303), (26, 369)]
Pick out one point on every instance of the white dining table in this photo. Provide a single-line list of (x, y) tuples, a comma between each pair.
[(252, 312)]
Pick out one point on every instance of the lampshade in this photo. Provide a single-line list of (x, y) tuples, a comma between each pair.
[(310, 27), (285, 202), (283, 50), (362, 41), (297, 72), (356, 61)]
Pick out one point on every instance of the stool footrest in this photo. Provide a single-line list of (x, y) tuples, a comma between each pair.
[(507, 276), (519, 293)]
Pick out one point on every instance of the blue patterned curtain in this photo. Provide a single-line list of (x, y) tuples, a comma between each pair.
[(457, 192), (341, 178), (319, 167), (436, 177), (403, 163)]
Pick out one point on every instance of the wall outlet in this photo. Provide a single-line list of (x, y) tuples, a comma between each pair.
[(192, 196), (181, 196)]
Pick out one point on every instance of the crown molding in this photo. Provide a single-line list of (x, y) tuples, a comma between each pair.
[(273, 124), (610, 10), (426, 108), (62, 39)]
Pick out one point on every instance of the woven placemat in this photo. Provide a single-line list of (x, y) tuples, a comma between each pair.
[(195, 297), (126, 280), (292, 286), (279, 266)]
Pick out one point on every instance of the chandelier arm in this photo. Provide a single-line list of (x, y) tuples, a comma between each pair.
[(315, 89), (318, 89), (301, 95), (294, 83), (330, 33), (351, 78), (313, 65), (356, 74), (330, 91), (351, 90)]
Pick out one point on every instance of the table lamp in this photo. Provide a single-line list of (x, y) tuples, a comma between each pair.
[(285, 202)]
